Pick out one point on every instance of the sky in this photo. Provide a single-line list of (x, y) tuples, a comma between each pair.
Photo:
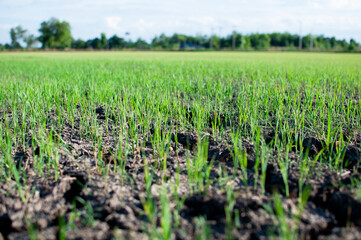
[(146, 19)]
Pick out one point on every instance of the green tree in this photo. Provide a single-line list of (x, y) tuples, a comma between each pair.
[(141, 44), (30, 41), (260, 41), (103, 41), (15, 35), (176, 40), (78, 44), (201, 41), (14, 39), (306, 42), (55, 34), (161, 42), (116, 42), (215, 44), (352, 46), (246, 42), (283, 40), (94, 43), (333, 42)]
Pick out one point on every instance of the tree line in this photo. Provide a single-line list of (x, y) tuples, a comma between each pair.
[(55, 34)]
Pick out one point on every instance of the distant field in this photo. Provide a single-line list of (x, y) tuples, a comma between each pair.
[(135, 145)]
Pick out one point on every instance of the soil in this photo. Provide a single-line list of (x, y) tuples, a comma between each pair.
[(103, 206)]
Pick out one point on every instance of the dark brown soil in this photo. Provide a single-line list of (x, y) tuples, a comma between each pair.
[(94, 205)]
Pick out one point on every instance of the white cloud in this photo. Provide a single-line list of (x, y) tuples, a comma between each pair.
[(144, 27), (113, 22), (336, 4), (145, 19), (6, 26), (204, 20)]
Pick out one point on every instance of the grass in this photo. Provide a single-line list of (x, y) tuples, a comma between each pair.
[(143, 99)]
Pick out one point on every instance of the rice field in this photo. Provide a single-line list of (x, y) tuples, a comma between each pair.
[(161, 145)]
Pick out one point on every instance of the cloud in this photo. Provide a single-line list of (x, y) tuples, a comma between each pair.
[(143, 26), (337, 4), (6, 26), (204, 20), (113, 22), (145, 19)]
